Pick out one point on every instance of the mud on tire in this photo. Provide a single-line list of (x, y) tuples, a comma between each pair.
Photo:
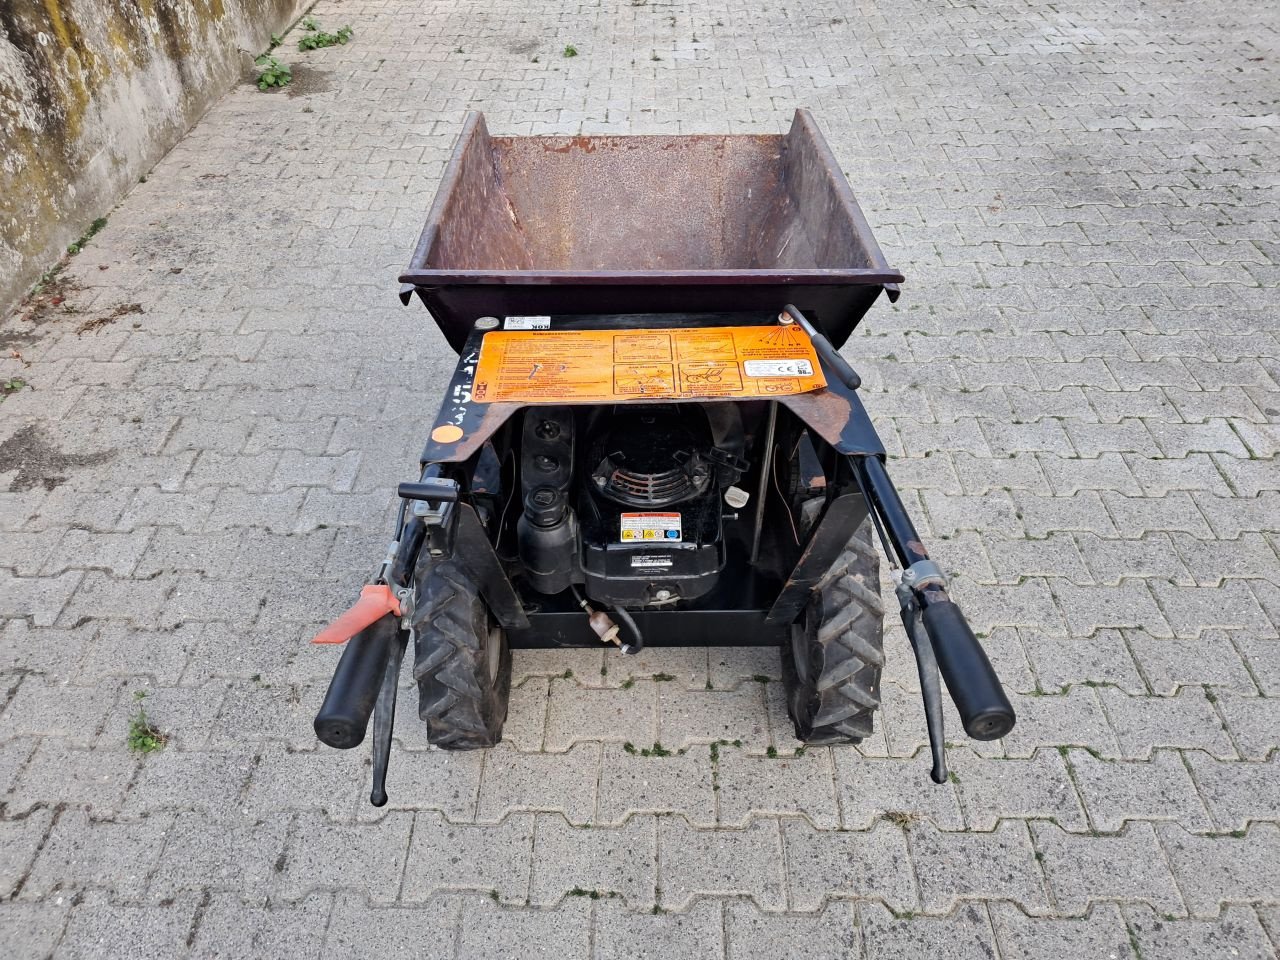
[(831, 667), (461, 660)]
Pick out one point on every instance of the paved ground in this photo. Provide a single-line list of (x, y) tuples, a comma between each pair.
[(1079, 386)]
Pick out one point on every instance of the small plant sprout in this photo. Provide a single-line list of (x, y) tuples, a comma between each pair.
[(143, 735), (570, 51), (11, 385), (314, 37), (274, 73), (88, 235)]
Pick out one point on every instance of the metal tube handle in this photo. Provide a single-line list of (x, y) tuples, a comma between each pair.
[(344, 715), (984, 709), (825, 350)]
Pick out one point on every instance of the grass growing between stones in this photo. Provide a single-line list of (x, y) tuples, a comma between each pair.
[(144, 737)]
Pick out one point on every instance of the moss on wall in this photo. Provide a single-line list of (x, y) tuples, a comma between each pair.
[(92, 93)]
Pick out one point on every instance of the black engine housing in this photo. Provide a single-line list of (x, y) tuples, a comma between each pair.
[(650, 505)]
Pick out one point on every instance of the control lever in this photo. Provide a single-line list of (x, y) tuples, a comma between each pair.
[(384, 715), (930, 682)]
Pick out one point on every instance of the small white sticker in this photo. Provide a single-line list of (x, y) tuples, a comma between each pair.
[(527, 323), (650, 528), (778, 368), (647, 561)]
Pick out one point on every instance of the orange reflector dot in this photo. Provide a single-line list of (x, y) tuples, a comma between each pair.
[(447, 433)]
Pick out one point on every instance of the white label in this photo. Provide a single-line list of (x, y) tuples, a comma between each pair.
[(527, 323), (650, 561), (650, 528), (778, 368)]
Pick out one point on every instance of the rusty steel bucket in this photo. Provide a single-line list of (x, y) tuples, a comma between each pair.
[(645, 224)]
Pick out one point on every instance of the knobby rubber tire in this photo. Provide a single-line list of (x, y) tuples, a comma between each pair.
[(831, 667), (462, 694)]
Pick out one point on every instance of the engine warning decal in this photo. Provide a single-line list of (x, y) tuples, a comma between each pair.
[(600, 366), (650, 528)]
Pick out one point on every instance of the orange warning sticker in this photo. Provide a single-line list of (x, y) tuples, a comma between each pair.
[(599, 366)]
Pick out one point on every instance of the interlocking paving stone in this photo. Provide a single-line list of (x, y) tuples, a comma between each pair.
[(1117, 791), (1253, 722), (1215, 870), (1187, 719), (684, 784), (623, 934), (99, 928), (321, 855), (514, 781), (1036, 788), (458, 856), (230, 929), (20, 842), (726, 862), (1235, 935), (1078, 390), (1237, 793), (13, 757), (489, 930), (872, 788), (1099, 933), (705, 716), (579, 713), (616, 862), (221, 853), (32, 929), (95, 779), (777, 785), (367, 930), (964, 935), (832, 934), (988, 866), (1082, 869), (70, 714), (866, 864)]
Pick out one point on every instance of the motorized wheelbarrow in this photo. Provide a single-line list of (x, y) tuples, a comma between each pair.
[(649, 439)]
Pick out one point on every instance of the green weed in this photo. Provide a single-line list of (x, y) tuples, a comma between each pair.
[(314, 38), (274, 73), (143, 735), (88, 235), (570, 51)]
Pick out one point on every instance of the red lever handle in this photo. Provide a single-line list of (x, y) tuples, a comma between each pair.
[(376, 601)]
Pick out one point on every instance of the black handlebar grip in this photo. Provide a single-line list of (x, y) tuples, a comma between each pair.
[(984, 709), (344, 715)]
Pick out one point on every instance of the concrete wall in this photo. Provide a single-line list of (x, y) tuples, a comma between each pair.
[(92, 93)]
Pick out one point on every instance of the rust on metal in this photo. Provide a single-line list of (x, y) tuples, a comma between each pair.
[(824, 411), (645, 224)]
